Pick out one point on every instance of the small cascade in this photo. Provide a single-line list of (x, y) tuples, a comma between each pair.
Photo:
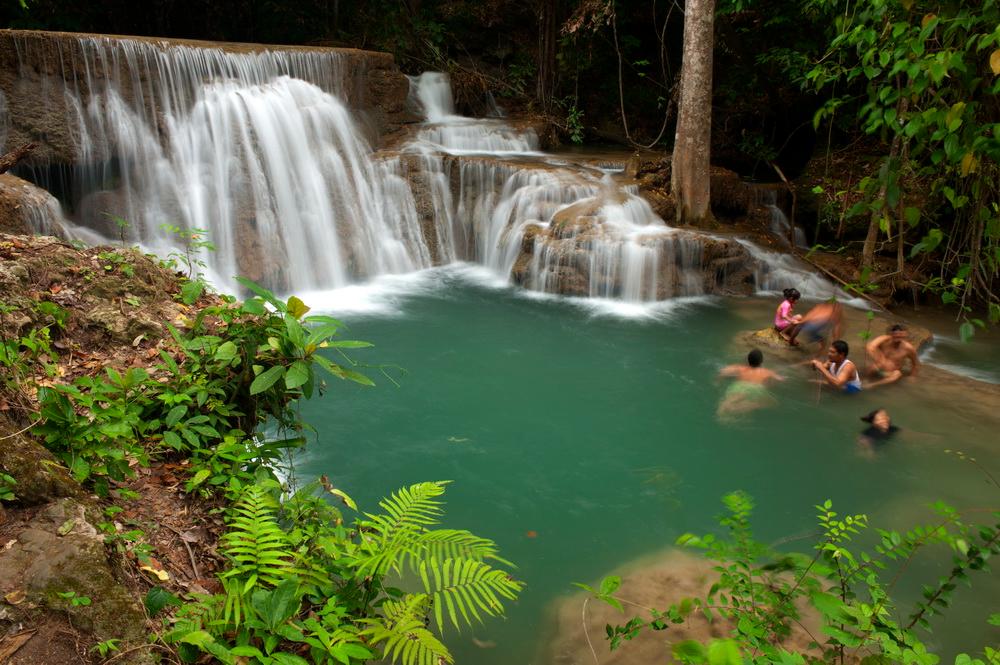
[(551, 224), (446, 132), (780, 227), (32, 206)]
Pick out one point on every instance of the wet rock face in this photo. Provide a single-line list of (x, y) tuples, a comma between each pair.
[(26, 208), (41, 71)]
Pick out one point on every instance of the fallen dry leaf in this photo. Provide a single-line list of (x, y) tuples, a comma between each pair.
[(10, 644), (15, 597)]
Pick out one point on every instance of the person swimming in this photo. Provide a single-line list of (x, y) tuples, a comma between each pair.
[(880, 429), (786, 323), (748, 391), (837, 370)]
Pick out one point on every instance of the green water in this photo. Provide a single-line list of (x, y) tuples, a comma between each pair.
[(598, 434)]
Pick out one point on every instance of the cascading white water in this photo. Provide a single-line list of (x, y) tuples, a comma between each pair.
[(444, 131), (255, 148), (258, 149), (589, 234)]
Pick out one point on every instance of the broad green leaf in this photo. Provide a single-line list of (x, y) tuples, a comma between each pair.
[(191, 291), (198, 638), (199, 477), (610, 584), (296, 307), (297, 374), (688, 651), (724, 652), (226, 351), (157, 598), (262, 292), (266, 379)]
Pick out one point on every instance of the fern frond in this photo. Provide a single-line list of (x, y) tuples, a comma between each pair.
[(402, 635), (466, 587), (395, 535), (255, 543), (412, 506), (444, 544)]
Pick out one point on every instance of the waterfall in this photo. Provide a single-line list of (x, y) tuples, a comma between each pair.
[(446, 132), (780, 227), (260, 150), (255, 148)]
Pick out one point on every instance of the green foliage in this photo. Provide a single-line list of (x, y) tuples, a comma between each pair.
[(297, 576), (759, 591), (928, 74), (7, 484)]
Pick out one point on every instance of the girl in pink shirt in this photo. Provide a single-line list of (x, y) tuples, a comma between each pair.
[(785, 322)]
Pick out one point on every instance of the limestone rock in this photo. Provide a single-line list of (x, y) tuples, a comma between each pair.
[(61, 551), (26, 208)]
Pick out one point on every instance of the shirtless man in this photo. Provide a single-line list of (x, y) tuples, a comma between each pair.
[(888, 353), (747, 392)]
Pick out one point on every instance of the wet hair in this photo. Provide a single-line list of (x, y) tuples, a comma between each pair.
[(897, 327), (791, 294), (840, 346), (870, 418), (755, 358)]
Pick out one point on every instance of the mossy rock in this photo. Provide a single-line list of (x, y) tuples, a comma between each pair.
[(60, 552), (40, 477)]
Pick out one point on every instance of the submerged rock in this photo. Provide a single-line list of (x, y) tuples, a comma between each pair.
[(656, 582)]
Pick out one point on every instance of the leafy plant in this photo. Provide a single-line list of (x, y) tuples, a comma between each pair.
[(299, 579), (759, 591)]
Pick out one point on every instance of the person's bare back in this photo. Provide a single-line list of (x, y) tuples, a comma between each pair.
[(756, 375)]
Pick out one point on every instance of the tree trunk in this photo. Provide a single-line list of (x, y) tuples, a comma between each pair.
[(868, 252), (10, 160), (689, 179), (547, 37)]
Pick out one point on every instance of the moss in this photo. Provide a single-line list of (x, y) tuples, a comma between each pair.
[(40, 477)]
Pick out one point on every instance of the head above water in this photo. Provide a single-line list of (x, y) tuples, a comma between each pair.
[(898, 331), (755, 358), (791, 294), (879, 419), (838, 350)]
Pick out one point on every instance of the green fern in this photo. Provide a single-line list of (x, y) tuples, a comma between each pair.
[(256, 543), (458, 544), (465, 586), (388, 539), (403, 635)]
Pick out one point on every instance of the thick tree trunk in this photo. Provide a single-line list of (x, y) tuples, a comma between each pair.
[(692, 143), (547, 37)]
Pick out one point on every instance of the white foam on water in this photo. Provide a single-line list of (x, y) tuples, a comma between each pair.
[(928, 354), (386, 295), (662, 310)]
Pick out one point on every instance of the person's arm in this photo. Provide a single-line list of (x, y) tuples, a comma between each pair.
[(914, 361), (837, 381), (872, 347), (730, 370)]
